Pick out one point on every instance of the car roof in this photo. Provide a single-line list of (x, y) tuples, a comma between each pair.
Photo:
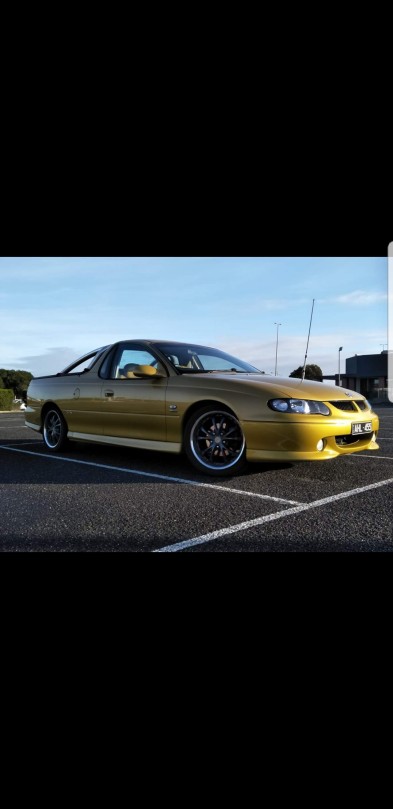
[(166, 340)]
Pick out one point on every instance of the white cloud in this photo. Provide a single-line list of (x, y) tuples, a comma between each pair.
[(53, 361), (359, 297)]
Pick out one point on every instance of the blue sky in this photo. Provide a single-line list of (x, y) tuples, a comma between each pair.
[(55, 309)]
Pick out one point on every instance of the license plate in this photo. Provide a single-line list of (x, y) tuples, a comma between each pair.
[(362, 427)]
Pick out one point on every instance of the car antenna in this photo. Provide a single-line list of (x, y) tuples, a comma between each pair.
[(308, 340)]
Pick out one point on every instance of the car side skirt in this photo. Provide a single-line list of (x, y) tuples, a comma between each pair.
[(136, 443)]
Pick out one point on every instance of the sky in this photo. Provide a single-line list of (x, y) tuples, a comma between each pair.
[(53, 310)]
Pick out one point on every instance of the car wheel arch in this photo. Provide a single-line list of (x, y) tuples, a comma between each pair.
[(50, 406), (214, 403)]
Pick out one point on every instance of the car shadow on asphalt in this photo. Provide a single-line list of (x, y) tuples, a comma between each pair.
[(144, 461)]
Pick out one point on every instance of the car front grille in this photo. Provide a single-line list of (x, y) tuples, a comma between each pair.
[(352, 405), (344, 405)]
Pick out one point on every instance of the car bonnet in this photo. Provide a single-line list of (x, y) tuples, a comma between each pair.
[(287, 387)]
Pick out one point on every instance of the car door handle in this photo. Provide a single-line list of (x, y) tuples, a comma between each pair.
[(109, 393)]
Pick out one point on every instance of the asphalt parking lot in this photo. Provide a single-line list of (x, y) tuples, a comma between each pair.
[(100, 498)]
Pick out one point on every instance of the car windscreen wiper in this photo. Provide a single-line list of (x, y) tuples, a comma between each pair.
[(191, 370), (210, 371)]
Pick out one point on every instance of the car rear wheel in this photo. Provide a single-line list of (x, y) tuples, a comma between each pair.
[(55, 430), (214, 442)]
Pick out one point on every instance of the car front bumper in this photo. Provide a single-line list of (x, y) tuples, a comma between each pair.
[(298, 440)]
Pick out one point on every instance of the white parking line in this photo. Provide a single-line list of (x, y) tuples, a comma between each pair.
[(153, 475), (373, 457), (24, 444), (14, 426), (278, 515)]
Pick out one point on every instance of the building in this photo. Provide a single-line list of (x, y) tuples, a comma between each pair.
[(366, 374)]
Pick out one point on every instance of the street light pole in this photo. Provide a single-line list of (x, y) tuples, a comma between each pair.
[(276, 324), (339, 378)]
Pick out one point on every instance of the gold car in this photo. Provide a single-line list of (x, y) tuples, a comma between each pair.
[(174, 397)]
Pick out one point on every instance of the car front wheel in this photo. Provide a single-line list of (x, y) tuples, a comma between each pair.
[(214, 442), (54, 430)]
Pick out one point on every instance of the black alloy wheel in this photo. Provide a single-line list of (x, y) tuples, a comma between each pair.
[(54, 430), (214, 442)]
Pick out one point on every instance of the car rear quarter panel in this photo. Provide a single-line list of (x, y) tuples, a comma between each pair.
[(77, 398)]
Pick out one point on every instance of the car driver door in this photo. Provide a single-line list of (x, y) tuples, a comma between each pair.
[(133, 406)]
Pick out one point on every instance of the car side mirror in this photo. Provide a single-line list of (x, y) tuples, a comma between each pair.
[(145, 371)]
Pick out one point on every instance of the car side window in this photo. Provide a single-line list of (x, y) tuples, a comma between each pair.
[(128, 359)]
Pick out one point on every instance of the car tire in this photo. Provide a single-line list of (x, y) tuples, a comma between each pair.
[(54, 430), (214, 442)]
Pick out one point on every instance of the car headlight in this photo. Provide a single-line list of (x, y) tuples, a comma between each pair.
[(299, 406)]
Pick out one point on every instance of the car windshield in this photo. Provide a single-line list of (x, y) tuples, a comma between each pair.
[(188, 359)]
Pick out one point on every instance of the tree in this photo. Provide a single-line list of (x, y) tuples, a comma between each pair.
[(311, 372), (18, 381)]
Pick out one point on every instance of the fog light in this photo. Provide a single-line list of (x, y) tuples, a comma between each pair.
[(320, 445)]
